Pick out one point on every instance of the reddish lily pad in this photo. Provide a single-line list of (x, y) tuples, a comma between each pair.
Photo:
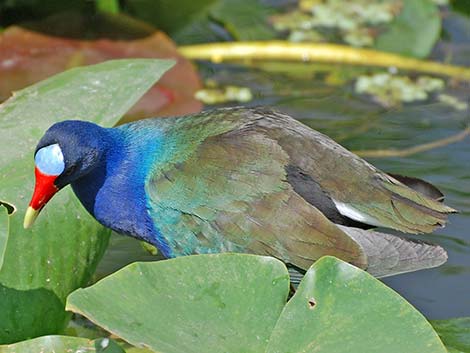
[(27, 57)]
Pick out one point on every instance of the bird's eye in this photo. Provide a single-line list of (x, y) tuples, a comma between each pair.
[(50, 160)]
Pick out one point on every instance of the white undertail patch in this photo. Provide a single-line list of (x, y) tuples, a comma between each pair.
[(350, 212)]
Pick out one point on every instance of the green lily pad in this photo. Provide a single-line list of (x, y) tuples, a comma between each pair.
[(455, 333), (340, 308), (414, 31), (53, 344), (190, 22), (207, 303), (233, 302), (59, 254)]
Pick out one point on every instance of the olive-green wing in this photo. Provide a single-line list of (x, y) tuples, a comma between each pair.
[(232, 194), (357, 189)]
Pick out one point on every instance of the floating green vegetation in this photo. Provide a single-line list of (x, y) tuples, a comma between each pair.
[(454, 102), (410, 28), (392, 90), (353, 22), (213, 94)]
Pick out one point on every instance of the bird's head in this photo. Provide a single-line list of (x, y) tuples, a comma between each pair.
[(67, 151)]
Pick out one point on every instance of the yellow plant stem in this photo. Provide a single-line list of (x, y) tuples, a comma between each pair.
[(316, 52), (414, 149)]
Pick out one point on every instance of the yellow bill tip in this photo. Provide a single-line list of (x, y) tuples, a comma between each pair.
[(29, 217)]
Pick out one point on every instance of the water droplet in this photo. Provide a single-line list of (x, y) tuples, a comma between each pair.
[(104, 343)]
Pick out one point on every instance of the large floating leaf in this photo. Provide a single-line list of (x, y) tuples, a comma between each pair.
[(230, 303), (455, 333), (415, 30), (190, 21), (212, 303), (172, 95), (43, 265), (339, 308), (56, 344)]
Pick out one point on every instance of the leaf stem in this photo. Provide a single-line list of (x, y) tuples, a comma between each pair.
[(316, 52), (414, 149)]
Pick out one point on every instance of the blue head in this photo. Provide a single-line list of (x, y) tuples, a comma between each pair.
[(106, 168), (68, 151), (83, 146)]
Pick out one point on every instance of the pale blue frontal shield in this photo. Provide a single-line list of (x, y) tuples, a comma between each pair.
[(50, 160)]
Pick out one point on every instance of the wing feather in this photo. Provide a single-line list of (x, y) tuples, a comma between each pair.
[(352, 182), (232, 194), (228, 190)]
